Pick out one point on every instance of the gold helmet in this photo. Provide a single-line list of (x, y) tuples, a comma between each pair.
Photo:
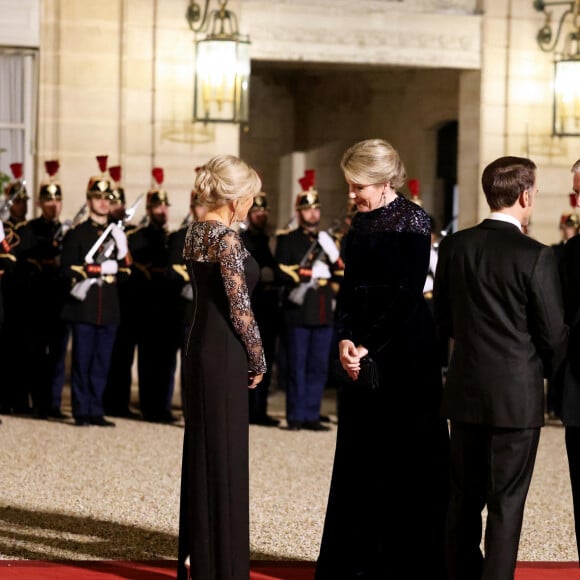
[(156, 195), (100, 186), (260, 202), (117, 193), (308, 197), (16, 189), (50, 190)]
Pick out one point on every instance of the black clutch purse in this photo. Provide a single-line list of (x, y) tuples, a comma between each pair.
[(368, 376)]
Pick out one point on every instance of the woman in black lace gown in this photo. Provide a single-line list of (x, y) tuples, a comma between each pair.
[(223, 356), (388, 497)]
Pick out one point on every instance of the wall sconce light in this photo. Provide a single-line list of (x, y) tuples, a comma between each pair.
[(566, 120), (222, 65)]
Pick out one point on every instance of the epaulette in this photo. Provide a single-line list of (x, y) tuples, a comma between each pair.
[(133, 230), (282, 232)]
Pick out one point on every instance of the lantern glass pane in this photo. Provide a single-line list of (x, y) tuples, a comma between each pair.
[(222, 80), (567, 97)]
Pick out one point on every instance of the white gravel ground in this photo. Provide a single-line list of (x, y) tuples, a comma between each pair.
[(102, 493)]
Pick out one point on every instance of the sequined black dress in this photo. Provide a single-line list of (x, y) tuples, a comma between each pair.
[(386, 509), (224, 344)]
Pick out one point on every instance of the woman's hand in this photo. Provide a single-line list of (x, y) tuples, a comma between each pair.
[(254, 380), (350, 356)]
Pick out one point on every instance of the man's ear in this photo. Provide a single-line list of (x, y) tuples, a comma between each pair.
[(525, 199)]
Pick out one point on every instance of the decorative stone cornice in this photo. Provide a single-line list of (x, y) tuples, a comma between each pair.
[(383, 32)]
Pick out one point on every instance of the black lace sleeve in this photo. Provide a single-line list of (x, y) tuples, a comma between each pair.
[(231, 259)]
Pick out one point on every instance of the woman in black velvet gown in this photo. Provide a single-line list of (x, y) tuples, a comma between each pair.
[(223, 356), (388, 497)]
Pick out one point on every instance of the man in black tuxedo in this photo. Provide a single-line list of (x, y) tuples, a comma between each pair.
[(570, 404), (498, 298)]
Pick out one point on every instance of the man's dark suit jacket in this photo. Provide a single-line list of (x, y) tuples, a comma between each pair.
[(570, 276), (497, 295)]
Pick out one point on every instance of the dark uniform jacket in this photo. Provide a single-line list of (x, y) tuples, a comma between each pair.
[(570, 276), (149, 284), (7, 261), (101, 305), (39, 265), (178, 276), (295, 255), (266, 295)]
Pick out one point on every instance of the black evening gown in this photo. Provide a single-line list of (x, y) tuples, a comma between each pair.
[(223, 345), (388, 497)]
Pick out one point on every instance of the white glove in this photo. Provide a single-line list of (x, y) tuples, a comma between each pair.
[(120, 241), (328, 245), (2, 235), (320, 270), (109, 267)]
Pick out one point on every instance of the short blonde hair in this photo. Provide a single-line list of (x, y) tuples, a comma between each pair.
[(223, 179), (373, 161)]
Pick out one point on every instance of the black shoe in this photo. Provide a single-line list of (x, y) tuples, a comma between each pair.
[(123, 413), (22, 410), (56, 413), (101, 422), (294, 425), (324, 419), (314, 426), (82, 421), (167, 417), (39, 414), (265, 421)]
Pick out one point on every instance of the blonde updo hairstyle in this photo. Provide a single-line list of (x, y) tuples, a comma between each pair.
[(373, 161), (224, 179)]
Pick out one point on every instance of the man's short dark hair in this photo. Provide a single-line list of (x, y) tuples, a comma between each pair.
[(504, 179)]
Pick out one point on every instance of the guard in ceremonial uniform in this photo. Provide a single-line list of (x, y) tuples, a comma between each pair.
[(309, 262), (16, 197), (152, 295), (45, 289), (94, 259), (117, 397), (265, 303), (7, 261), (14, 394), (180, 307)]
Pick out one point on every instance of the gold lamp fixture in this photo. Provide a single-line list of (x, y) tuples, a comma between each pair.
[(566, 119), (222, 65)]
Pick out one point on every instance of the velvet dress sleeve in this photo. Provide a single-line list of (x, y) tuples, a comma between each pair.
[(387, 259)]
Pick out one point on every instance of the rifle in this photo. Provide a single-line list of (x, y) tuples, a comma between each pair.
[(5, 207), (130, 213), (102, 250), (65, 226), (297, 295)]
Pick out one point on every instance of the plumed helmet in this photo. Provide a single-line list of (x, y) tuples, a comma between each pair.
[(414, 191), (50, 189), (99, 186), (16, 189), (156, 195), (569, 220), (117, 193), (308, 197), (260, 201)]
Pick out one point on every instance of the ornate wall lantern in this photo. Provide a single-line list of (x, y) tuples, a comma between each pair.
[(222, 65)]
